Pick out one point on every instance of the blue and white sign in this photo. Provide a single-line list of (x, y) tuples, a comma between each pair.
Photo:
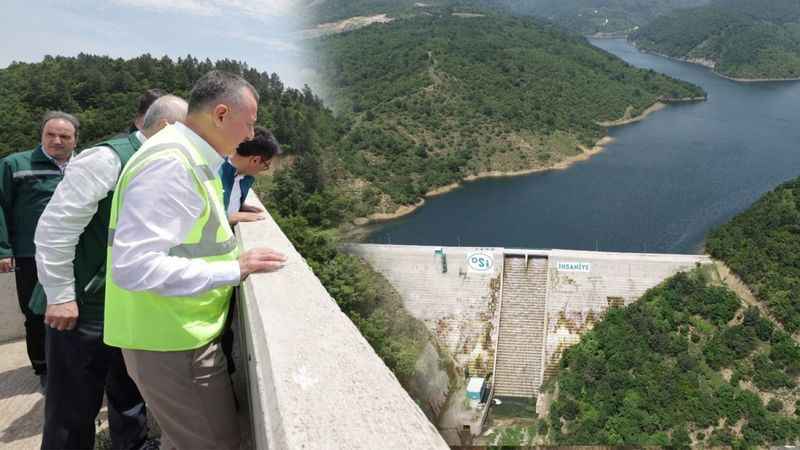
[(574, 267), (480, 262)]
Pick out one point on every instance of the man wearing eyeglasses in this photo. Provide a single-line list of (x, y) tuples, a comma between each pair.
[(238, 173)]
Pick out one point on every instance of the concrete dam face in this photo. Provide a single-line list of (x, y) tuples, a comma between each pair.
[(513, 312)]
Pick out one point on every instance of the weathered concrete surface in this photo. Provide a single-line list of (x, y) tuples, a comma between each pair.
[(456, 416), (457, 306), (21, 404), (11, 319), (315, 382), (431, 382)]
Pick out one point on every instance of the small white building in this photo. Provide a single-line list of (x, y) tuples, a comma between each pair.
[(475, 390)]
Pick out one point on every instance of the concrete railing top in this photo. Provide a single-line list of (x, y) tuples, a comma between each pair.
[(314, 380)]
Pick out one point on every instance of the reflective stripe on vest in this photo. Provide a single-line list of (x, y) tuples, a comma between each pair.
[(208, 245)]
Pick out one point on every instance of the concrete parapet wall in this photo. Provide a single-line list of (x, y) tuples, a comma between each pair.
[(457, 306), (11, 319), (314, 382)]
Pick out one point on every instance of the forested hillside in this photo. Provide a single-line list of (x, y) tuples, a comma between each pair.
[(687, 363), (762, 245), (432, 100), (103, 91), (741, 38)]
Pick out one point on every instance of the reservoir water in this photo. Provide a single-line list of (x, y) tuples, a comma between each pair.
[(660, 187)]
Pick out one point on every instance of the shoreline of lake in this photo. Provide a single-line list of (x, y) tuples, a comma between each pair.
[(362, 225)]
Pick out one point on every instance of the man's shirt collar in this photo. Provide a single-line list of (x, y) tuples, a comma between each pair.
[(61, 166), (208, 152)]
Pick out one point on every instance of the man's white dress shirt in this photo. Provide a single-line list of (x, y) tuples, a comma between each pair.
[(235, 202), (88, 179), (159, 208), (158, 211)]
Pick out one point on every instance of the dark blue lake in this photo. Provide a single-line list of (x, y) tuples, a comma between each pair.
[(660, 187)]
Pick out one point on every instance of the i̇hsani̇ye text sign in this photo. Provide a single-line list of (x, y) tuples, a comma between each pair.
[(574, 267)]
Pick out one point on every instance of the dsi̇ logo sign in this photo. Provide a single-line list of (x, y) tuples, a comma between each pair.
[(480, 262)]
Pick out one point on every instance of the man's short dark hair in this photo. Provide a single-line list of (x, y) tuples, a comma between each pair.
[(263, 144), (218, 86), (147, 98), (51, 115)]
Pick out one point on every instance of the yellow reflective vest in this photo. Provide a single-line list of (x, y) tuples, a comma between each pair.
[(149, 321)]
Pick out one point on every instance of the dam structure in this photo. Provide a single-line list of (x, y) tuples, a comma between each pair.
[(511, 313)]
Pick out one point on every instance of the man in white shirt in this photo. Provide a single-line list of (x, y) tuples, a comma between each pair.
[(167, 293), (71, 232)]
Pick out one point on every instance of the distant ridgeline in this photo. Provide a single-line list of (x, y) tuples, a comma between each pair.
[(334, 10), (609, 17), (743, 39), (581, 16), (431, 100), (103, 92)]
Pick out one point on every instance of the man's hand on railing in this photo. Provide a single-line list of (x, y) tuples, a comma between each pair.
[(62, 316), (260, 260), (251, 208), (245, 216)]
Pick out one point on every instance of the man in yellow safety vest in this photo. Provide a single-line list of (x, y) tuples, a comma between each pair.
[(173, 261)]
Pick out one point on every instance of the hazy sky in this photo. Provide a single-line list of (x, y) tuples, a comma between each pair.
[(262, 33)]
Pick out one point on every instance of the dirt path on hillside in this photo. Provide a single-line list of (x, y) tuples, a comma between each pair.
[(734, 283), (437, 80)]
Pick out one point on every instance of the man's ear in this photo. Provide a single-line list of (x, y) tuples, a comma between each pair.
[(219, 113)]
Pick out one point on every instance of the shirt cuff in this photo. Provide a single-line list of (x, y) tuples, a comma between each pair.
[(57, 295), (225, 273)]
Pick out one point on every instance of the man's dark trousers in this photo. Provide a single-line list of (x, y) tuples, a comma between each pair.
[(80, 368), (25, 273)]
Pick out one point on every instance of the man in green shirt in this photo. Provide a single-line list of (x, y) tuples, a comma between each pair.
[(27, 181)]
